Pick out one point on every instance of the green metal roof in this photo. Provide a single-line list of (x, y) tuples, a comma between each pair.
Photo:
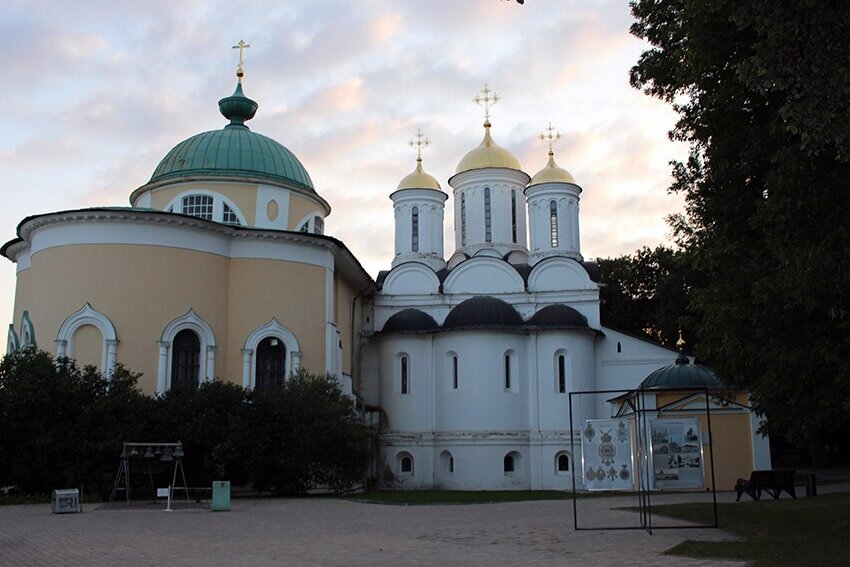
[(234, 151), (681, 374)]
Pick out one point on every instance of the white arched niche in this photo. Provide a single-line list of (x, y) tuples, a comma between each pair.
[(87, 315), (206, 366), (271, 329)]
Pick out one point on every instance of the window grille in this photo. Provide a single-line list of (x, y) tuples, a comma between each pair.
[(185, 359), (463, 219), (513, 215), (200, 206), (270, 365), (228, 216)]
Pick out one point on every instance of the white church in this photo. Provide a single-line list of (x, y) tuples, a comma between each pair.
[(220, 270)]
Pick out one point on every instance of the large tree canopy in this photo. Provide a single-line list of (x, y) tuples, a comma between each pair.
[(762, 90), (647, 293)]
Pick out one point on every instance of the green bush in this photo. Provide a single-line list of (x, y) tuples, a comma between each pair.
[(305, 433), (63, 427)]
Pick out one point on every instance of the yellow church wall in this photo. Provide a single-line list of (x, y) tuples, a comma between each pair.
[(243, 195), (299, 207), (344, 294), (88, 346), (292, 292), (113, 278)]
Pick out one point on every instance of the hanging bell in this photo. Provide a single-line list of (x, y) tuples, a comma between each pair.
[(134, 452), (149, 453), (166, 456)]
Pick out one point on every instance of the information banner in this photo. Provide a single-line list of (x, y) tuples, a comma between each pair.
[(606, 452), (676, 453)]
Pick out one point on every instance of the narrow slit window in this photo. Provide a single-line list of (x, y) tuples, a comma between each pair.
[(488, 226), (562, 374), (454, 372), (507, 372), (405, 378), (463, 219), (414, 236), (513, 215), (553, 223)]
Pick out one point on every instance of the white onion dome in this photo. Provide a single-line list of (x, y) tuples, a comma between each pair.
[(488, 154), (552, 173), (418, 179)]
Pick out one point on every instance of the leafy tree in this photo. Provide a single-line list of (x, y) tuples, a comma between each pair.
[(302, 434), (647, 293), (762, 90), (206, 420), (63, 426)]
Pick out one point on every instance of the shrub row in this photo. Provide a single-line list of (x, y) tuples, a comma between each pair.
[(62, 426)]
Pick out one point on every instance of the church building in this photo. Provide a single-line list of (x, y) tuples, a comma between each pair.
[(220, 270)]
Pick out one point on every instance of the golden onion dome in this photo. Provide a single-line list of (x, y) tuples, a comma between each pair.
[(418, 179), (552, 173), (488, 154)]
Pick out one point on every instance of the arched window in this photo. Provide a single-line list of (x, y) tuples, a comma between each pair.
[(553, 223), (318, 225), (404, 374), (511, 463), (513, 215), (87, 316), (200, 206), (561, 373), (271, 363), (277, 361), (562, 462), (27, 330), (12, 341), (488, 226), (207, 205), (507, 371), (414, 229), (169, 360), (185, 359), (305, 227), (405, 464), (447, 462), (463, 219)]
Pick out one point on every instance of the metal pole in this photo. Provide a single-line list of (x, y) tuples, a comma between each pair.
[(711, 449), (573, 455)]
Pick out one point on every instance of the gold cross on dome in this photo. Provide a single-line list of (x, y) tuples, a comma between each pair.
[(550, 136), (241, 46), (419, 141), (486, 98)]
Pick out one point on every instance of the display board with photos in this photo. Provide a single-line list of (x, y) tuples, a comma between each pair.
[(677, 459), (607, 456)]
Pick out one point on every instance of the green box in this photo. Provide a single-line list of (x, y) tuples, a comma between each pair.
[(221, 496)]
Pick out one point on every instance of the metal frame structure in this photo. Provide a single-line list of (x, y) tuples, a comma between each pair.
[(642, 457), (164, 452)]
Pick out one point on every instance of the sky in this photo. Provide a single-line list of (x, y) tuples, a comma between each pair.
[(97, 92)]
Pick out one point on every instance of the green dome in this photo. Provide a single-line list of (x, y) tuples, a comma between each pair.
[(233, 151), (681, 374)]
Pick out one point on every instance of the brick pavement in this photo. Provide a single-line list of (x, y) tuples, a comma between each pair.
[(340, 532)]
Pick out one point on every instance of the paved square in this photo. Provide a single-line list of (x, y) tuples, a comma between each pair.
[(339, 532)]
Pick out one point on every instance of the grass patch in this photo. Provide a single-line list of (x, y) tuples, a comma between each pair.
[(421, 497), (424, 497), (811, 531)]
